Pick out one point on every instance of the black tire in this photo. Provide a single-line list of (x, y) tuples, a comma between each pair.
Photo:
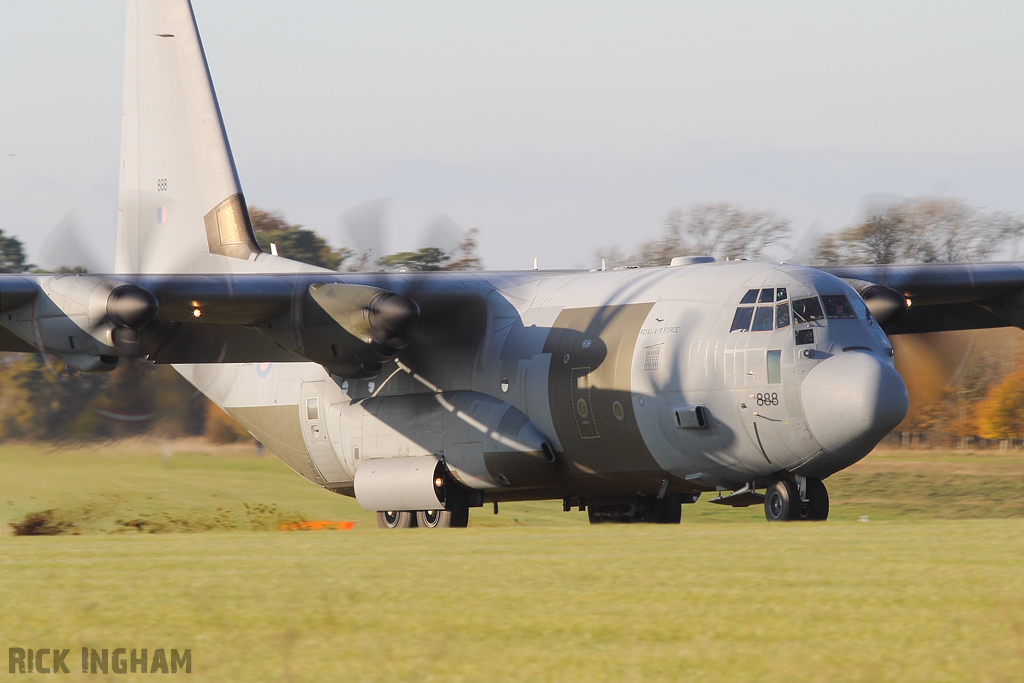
[(782, 502), (817, 500), (443, 519), (396, 519)]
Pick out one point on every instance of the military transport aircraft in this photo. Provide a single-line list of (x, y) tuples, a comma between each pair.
[(625, 393)]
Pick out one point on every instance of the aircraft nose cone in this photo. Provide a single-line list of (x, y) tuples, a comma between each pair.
[(851, 401)]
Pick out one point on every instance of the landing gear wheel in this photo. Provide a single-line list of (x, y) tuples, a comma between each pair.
[(396, 519), (782, 502), (441, 519), (817, 501), (815, 509)]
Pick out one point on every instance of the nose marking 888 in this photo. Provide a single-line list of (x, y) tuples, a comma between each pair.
[(766, 399)]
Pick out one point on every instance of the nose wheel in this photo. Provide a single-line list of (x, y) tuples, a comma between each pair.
[(816, 507), (780, 501), (783, 503)]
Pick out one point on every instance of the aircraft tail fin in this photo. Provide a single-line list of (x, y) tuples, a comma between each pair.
[(180, 206)]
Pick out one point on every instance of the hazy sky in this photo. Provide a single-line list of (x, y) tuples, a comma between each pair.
[(554, 127)]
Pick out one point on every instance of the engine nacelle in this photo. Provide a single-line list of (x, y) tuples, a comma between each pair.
[(87, 321), (409, 483), (349, 329)]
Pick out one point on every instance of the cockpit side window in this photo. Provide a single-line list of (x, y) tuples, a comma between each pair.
[(837, 307), (741, 321), (780, 294), (750, 297), (807, 310), (782, 316)]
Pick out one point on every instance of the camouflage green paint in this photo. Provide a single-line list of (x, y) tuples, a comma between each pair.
[(590, 388)]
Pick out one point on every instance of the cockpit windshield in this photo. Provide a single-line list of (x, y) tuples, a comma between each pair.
[(767, 315)]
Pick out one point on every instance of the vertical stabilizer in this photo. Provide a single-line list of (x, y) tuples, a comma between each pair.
[(180, 207)]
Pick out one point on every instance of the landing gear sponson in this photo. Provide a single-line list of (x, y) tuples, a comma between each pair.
[(641, 509), (805, 500)]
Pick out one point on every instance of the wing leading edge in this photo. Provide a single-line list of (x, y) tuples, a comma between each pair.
[(946, 296)]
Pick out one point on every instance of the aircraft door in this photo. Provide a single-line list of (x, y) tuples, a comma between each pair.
[(764, 413), (313, 424)]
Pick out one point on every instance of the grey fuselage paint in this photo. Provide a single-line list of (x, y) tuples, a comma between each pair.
[(595, 362)]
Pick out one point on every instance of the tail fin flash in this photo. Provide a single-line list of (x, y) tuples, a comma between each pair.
[(181, 207)]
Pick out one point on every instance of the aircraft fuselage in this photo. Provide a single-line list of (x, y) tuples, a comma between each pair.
[(650, 382)]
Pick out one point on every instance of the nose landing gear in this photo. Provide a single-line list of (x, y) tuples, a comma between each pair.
[(784, 501)]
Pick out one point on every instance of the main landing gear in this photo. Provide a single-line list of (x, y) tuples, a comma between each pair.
[(396, 519), (458, 516), (787, 501)]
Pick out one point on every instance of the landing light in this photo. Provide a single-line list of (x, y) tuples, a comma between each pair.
[(909, 302), (438, 482), (196, 313)]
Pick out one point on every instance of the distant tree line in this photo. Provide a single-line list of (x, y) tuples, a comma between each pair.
[(12, 255), (920, 230), (914, 230), (41, 400), (301, 244)]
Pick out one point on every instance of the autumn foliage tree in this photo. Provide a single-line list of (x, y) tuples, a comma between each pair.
[(1001, 414)]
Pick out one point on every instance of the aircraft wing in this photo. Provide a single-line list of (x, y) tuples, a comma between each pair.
[(940, 296), (190, 318), (350, 323)]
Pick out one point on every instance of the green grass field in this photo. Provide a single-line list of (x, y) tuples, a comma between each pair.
[(931, 588)]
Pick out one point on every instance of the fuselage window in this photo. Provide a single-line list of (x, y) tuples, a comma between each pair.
[(762, 319), (750, 297), (807, 310), (805, 336), (774, 367), (741, 321), (312, 408), (782, 316), (767, 296), (837, 307)]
